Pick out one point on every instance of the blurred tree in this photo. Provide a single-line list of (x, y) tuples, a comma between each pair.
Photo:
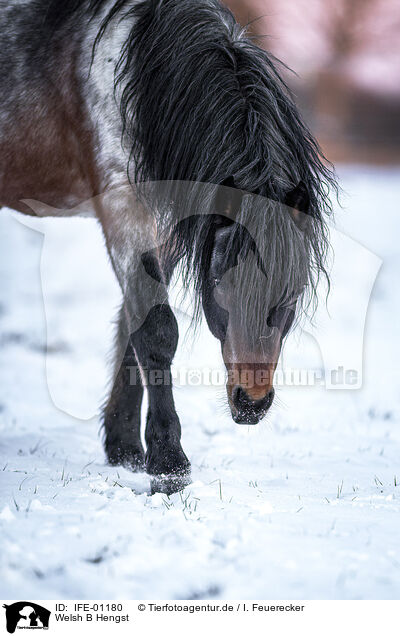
[(347, 54)]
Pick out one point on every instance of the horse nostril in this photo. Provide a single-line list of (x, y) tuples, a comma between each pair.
[(242, 400)]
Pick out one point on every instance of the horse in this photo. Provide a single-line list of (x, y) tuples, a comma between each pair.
[(178, 132)]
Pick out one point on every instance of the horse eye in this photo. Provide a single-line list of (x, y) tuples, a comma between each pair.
[(282, 318), (216, 282)]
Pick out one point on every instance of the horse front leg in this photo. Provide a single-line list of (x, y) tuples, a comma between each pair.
[(150, 337), (155, 345)]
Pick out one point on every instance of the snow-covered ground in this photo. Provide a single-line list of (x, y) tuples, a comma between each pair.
[(305, 505)]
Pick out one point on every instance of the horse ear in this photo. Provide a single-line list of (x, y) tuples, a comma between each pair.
[(298, 200), (229, 182)]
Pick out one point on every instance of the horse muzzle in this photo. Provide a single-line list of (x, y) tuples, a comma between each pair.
[(245, 409)]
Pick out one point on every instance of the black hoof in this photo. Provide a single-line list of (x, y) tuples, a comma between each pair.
[(169, 484), (166, 459), (130, 457), (168, 467)]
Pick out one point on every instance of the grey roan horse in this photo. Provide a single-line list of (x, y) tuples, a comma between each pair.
[(180, 132)]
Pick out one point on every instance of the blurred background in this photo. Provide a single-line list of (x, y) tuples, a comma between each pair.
[(346, 54)]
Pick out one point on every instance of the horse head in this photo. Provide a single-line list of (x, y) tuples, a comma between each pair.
[(251, 288)]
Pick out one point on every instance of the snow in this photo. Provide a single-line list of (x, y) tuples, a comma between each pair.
[(304, 505)]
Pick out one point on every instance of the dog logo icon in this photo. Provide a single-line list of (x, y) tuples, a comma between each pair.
[(26, 615)]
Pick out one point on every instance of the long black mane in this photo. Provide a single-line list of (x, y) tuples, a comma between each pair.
[(201, 102)]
